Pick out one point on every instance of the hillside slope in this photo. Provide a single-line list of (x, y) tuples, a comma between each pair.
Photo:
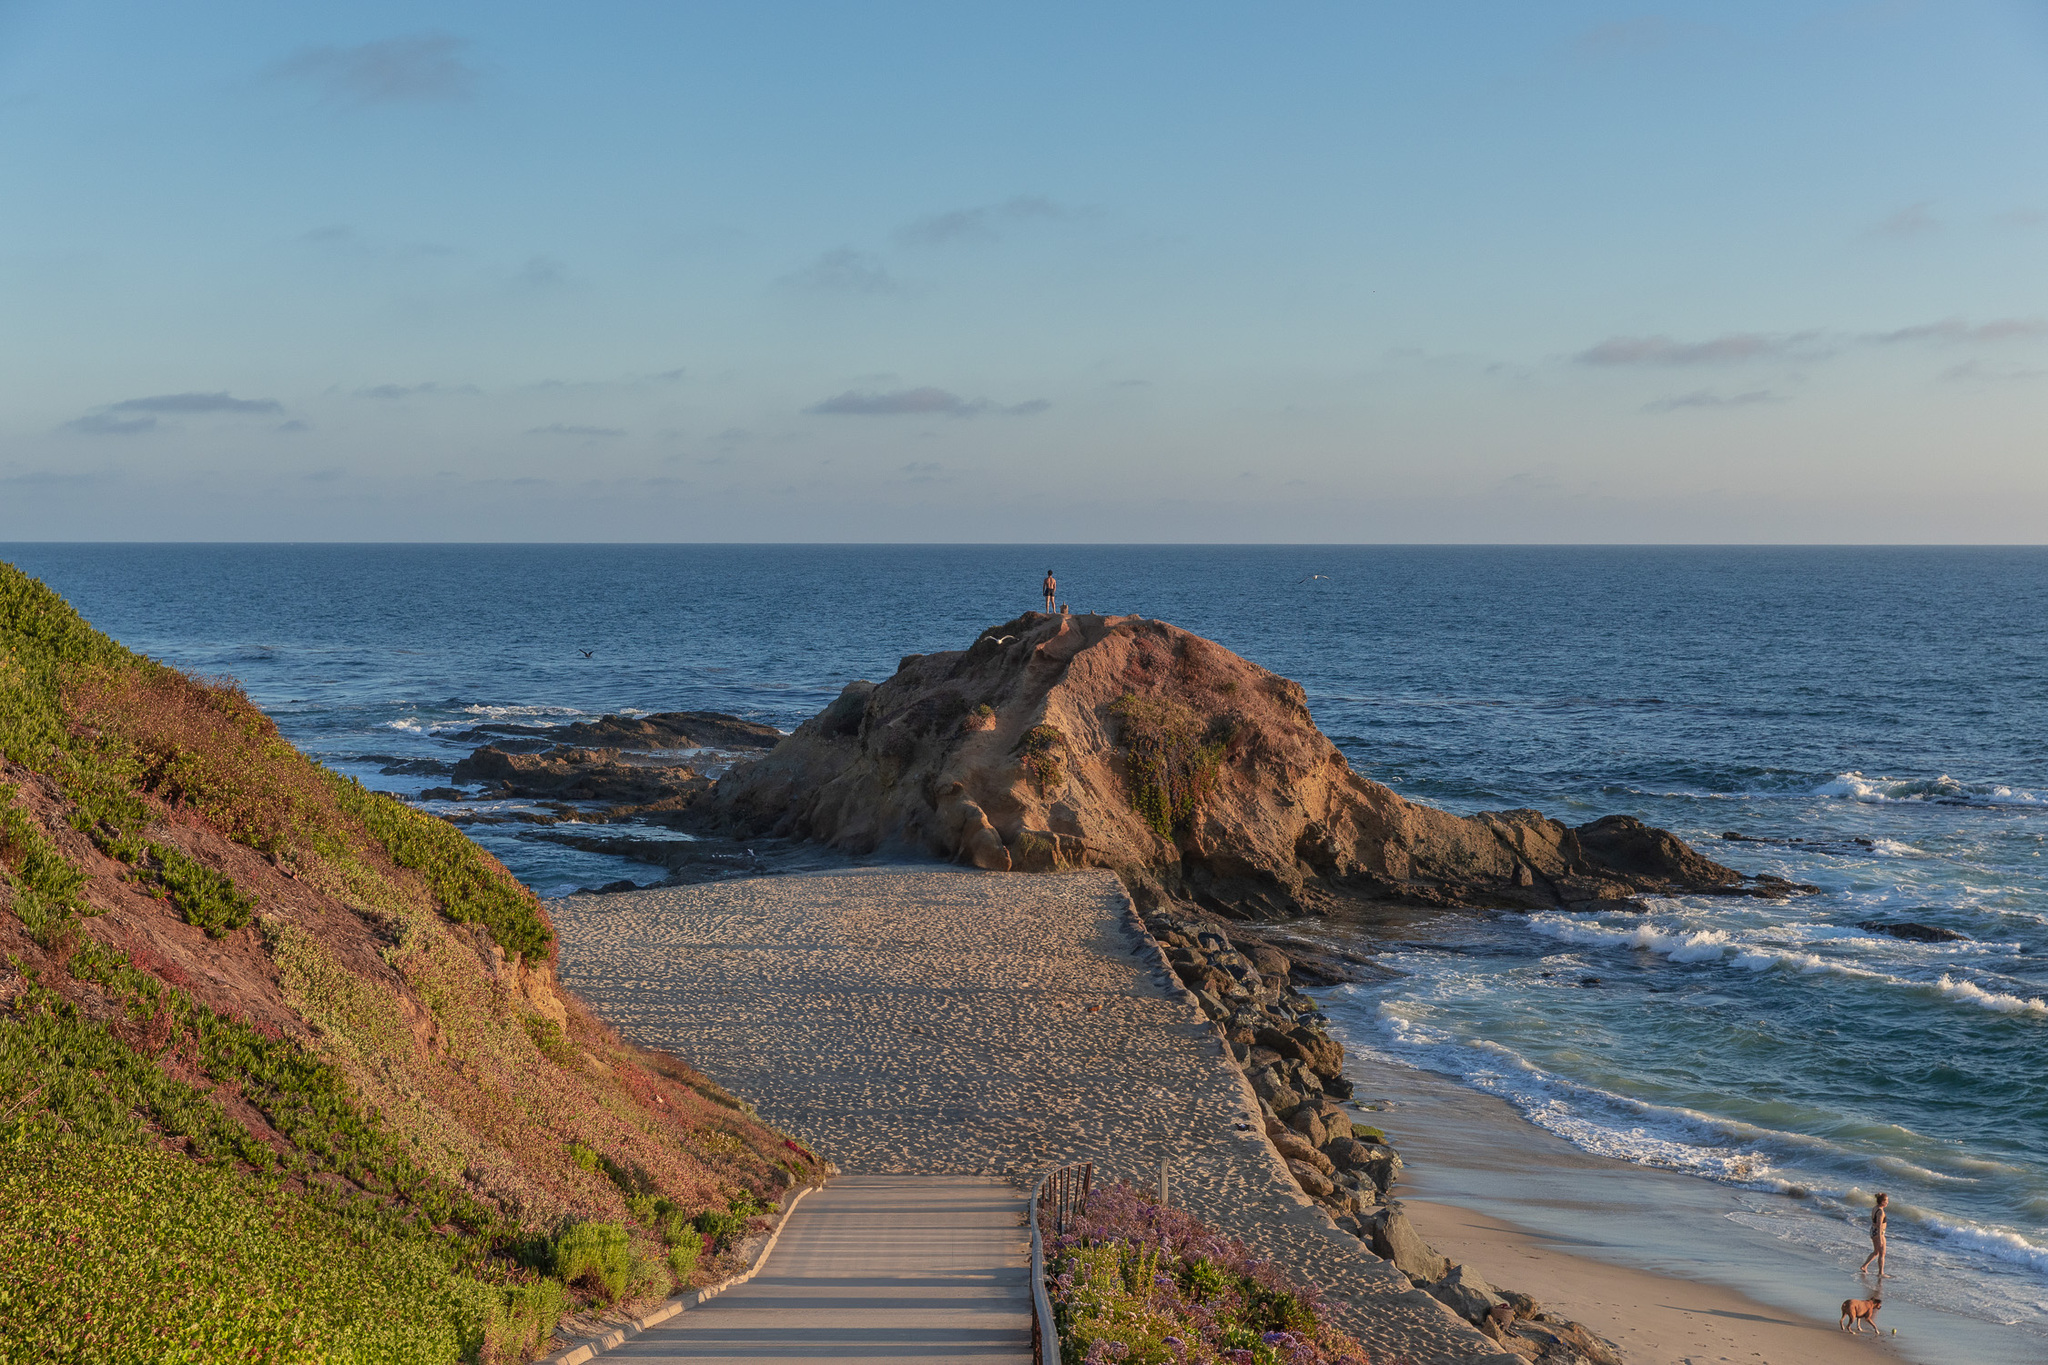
[(1128, 743), (284, 1071)]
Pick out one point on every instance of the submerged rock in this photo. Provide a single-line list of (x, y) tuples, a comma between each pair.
[(1919, 933), (1057, 741)]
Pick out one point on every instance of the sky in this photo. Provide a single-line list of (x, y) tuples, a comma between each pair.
[(1463, 271)]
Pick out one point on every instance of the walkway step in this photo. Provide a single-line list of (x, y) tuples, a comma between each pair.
[(933, 1269)]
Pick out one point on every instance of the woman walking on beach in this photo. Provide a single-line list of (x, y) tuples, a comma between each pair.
[(1876, 1237)]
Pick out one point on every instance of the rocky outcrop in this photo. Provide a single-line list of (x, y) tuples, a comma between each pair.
[(566, 774), (1278, 1036), (662, 730), (1055, 741)]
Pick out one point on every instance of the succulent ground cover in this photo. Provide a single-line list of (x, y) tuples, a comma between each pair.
[(1138, 1284), (284, 1072)]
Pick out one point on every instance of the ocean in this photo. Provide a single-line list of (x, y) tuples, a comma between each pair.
[(1871, 721)]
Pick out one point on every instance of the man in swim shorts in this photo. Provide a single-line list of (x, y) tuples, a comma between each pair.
[(1052, 587)]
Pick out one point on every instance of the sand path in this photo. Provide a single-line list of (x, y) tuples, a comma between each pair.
[(876, 1267), (935, 1020)]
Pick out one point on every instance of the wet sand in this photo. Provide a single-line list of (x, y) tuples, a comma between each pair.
[(1670, 1267)]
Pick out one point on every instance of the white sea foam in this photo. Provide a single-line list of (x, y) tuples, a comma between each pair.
[(1942, 790), (1987, 1239), (1974, 994)]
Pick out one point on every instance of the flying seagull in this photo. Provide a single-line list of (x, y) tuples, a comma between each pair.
[(586, 653), (1001, 640), (1312, 576)]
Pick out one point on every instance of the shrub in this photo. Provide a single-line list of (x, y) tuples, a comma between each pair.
[(650, 1276), (1041, 746), (547, 1035), (1134, 1282), (46, 885), (685, 1246), (595, 1254), (1173, 759), (207, 899)]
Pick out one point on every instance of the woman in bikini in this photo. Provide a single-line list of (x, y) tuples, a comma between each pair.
[(1876, 1237)]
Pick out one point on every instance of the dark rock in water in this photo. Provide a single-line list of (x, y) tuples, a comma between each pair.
[(663, 730), (414, 767), (1589, 981), (578, 775), (440, 794), (609, 888), (1919, 933)]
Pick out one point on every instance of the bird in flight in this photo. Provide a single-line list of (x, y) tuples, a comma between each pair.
[(1001, 640), (1313, 576), (586, 653)]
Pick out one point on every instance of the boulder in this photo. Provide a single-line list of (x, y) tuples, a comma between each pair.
[(1395, 1239), (579, 775), (1312, 1181), (1336, 1123), (1296, 1150), (1463, 1292), (1273, 964), (1558, 1340), (1307, 1122), (1168, 757), (1282, 1097)]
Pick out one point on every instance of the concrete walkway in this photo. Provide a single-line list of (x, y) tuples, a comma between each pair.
[(930, 1020), (881, 1267)]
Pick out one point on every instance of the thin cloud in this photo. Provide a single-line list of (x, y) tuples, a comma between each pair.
[(391, 391), (424, 68), (1911, 222), (1662, 350), (106, 424), (1976, 371), (1957, 330), (844, 271), (981, 224), (558, 429), (196, 402), (1701, 398), (294, 425), (920, 402)]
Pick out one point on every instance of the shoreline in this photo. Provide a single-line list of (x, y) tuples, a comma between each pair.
[(1671, 1267)]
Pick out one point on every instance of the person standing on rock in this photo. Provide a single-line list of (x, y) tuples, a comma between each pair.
[(1052, 587)]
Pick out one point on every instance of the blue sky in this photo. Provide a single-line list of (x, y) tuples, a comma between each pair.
[(1176, 272)]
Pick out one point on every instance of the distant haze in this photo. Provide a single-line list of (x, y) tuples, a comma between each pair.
[(1317, 272)]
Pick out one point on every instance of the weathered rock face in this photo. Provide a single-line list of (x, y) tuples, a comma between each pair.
[(1116, 741)]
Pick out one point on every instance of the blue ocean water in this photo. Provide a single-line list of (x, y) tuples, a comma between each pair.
[(1874, 720)]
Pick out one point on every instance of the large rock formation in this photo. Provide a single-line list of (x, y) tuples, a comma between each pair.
[(1065, 740)]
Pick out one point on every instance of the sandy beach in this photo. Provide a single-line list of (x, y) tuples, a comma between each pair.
[(932, 1019)]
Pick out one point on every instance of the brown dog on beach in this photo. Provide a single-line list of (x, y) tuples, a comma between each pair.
[(1856, 1312)]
